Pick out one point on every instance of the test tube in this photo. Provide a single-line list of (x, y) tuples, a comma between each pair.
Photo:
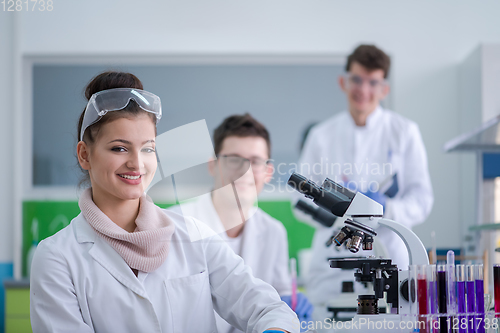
[(422, 290), (479, 282), (293, 270), (423, 301), (450, 283), (471, 297), (432, 289), (461, 302), (432, 294), (496, 287), (442, 298)]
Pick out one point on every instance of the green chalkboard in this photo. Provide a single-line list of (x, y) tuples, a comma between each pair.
[(42, 219)]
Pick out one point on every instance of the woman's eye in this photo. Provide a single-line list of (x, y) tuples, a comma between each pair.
[(118, 149), (148, 150)]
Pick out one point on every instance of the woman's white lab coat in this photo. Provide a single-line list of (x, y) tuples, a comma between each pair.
[(79, 283), (264, 244)]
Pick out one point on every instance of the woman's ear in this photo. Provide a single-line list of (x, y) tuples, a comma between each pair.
[(83, 154)]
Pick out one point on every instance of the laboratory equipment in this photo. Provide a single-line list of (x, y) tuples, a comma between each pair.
[(293, 271), (363, 217), (320, 215), (451, 283), (461, 301), (496, 284), (423, 296), (433, 298), (442, 297), (471, 297), (479, 284)]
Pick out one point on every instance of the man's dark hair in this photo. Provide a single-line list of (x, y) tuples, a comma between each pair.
[(370, 57), (240, 126)]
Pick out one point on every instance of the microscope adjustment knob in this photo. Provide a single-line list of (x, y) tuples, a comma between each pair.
[(404, 290)]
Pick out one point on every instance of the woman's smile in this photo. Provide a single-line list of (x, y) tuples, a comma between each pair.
[(131, 178)]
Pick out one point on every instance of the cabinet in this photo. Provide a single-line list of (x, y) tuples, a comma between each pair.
[(479, 110)]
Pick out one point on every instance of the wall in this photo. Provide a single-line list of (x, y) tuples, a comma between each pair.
[(426, 39), (6, 153), (6, 150), (281, 96)]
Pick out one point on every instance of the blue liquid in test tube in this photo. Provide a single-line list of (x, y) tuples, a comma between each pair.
[(432, 295), (478, 273), (461, 301), (471, 298)]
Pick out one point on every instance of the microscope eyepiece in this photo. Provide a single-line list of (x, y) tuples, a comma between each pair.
[(319, 214), (304, 186), (334, 198)]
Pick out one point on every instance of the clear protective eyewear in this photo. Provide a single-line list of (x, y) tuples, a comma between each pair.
[(236, 162), (356, 81), (117, 99)]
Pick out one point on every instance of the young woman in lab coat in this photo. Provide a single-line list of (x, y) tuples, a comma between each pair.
[(125, 265)]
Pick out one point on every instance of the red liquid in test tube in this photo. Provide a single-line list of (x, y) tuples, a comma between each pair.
[(422, 296), (496, 285), (422, 303)]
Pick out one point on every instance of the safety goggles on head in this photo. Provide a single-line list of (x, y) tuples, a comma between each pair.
[(117, 99), (356, 81)]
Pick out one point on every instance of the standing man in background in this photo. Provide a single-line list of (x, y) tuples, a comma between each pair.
[(372, 150)]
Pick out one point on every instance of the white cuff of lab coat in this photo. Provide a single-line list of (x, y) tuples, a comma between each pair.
[(285, 322)]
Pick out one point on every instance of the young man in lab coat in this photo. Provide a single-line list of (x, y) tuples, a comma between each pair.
[(373, 150), (242, 146)]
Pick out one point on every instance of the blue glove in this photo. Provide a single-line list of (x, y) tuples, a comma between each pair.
[(377, 196), (303, 309)]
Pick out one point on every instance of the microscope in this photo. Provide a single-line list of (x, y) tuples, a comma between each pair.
[(363, 216)]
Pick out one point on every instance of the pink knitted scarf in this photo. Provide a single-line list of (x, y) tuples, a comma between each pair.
[(146, 248)]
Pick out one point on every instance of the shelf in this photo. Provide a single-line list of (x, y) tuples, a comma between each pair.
[(485, 138), (488, 226)]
